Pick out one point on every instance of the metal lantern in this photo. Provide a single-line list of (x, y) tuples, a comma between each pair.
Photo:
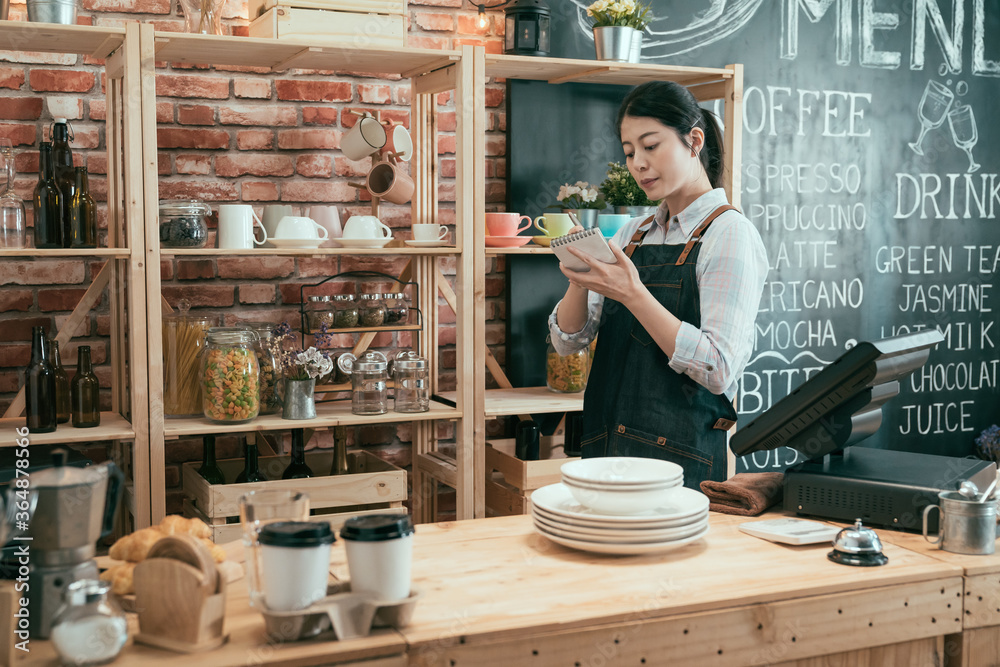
[(527, 28)]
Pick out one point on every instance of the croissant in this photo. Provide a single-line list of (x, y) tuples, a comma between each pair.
[(134, 547), (218, 553), (120, 577), (178, 525)]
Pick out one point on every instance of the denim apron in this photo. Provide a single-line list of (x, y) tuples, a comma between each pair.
[(635, 404)]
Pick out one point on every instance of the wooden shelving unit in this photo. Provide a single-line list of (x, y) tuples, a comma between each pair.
[(122, 276), (306, 252)]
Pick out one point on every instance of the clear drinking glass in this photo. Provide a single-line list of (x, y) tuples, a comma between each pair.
[(203, 16), (964, 131), (257, 509), (933, 109), (13, 220)]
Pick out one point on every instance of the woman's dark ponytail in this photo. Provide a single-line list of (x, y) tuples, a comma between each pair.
[(673, 105)]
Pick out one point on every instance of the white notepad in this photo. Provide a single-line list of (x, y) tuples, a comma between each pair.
[(589, 241)]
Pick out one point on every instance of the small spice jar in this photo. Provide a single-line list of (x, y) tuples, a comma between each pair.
[(369, 382), (231, 375), (409, 370), (567, 374), (319, 311), (183, 223), (345, 311), (371, 310), (397, 308), (90, 627)]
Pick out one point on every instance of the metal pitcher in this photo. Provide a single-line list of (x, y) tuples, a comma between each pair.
[(966, 526), (52, 11)]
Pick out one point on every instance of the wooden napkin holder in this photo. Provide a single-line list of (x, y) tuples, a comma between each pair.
[(180, 597)]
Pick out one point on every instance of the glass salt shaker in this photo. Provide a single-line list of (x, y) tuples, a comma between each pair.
[(90, 627), (409, 370), (369, 382)]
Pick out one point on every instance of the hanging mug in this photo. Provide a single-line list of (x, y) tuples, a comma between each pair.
[(389, 182), (398, 143), (366, 137), (236, 227)]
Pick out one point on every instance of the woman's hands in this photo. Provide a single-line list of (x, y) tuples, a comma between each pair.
[(619, 281)]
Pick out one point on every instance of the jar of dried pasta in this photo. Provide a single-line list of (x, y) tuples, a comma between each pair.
[(183, 340), (567, 374), (230, 375)]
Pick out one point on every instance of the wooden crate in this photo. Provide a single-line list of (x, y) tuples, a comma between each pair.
[(510, 480), (373, 486), (396, 7), (318, 26)]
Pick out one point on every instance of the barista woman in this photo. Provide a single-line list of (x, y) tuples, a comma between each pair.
[(676, 313)]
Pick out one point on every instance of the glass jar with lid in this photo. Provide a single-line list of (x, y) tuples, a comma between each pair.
[(231, 375), (90, 628), (319, 312), (371, 310), (397, 308), (369, 382), (183, 223), (345, 311), (412, 394), (266, 348), (183, 341), (566, 374)]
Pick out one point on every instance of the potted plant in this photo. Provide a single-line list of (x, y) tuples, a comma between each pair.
[(582, 200), (618, 26), (300, 368), (621, 191)]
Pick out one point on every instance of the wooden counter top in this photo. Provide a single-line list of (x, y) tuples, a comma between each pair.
[(498, 582)]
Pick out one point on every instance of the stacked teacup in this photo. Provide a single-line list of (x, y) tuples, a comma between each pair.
[(623, 505)]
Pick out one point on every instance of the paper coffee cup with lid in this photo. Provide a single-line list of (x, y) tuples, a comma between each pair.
[(379, 555), (296, 560)]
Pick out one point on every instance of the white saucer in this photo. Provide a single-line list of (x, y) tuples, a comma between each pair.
[(623, 549), (296, 243), (363, 243), (433, 243), (557, 499)]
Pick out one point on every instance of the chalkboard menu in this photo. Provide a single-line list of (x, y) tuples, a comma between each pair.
[(870, 160)]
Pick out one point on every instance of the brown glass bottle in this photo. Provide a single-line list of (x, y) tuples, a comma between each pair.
[(209, 469), (85, 392), (48, 203), (40, 386), (62, 383), (251, 467), (82, 213), (297, 468), (62, 170), (339, 466)]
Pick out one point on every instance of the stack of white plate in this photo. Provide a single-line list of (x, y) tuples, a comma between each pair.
[(620, 506)]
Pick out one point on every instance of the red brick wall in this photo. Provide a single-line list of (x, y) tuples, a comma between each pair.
[(228, 135)]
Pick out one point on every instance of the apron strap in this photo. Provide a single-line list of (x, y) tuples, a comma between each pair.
[(636, 239), (696, 237)]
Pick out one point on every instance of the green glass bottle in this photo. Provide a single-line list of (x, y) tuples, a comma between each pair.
[(209, 469), (297, 469), (62, 171), (62, 383), (82, 213), (85, 392), (48, 203), (339, 466), (40, 387), (251, 467)]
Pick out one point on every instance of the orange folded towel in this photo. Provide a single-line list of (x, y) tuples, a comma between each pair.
[(745, 494)]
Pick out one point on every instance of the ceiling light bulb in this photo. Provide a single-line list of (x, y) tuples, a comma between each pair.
[(482, 17)]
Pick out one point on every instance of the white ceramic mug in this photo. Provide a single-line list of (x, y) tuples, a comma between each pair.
[(236, 227), (366, 137), (299, 228), (365, 227), (329, 218), (273, 213), (398, 142), (429, 232)]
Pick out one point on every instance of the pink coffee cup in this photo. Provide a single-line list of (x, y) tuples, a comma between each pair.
[(506, 224)]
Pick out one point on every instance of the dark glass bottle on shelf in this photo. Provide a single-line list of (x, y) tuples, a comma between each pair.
[(85, 392), (339, 466), (62, 383), (40, 387), (82, 213), (48, 203), (62, 170), (209, 469), (297, 468), (251, 467)]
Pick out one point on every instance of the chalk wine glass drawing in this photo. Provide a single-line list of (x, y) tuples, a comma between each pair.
[(964, 131), (934, 105)]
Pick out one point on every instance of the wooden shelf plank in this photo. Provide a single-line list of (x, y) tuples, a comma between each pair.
[(327, 415), (54, 38), (65, 252), (526, 400), (113, 427), (440, 467), (307, 252), (563, 70), (530, 249), (271, 53)]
